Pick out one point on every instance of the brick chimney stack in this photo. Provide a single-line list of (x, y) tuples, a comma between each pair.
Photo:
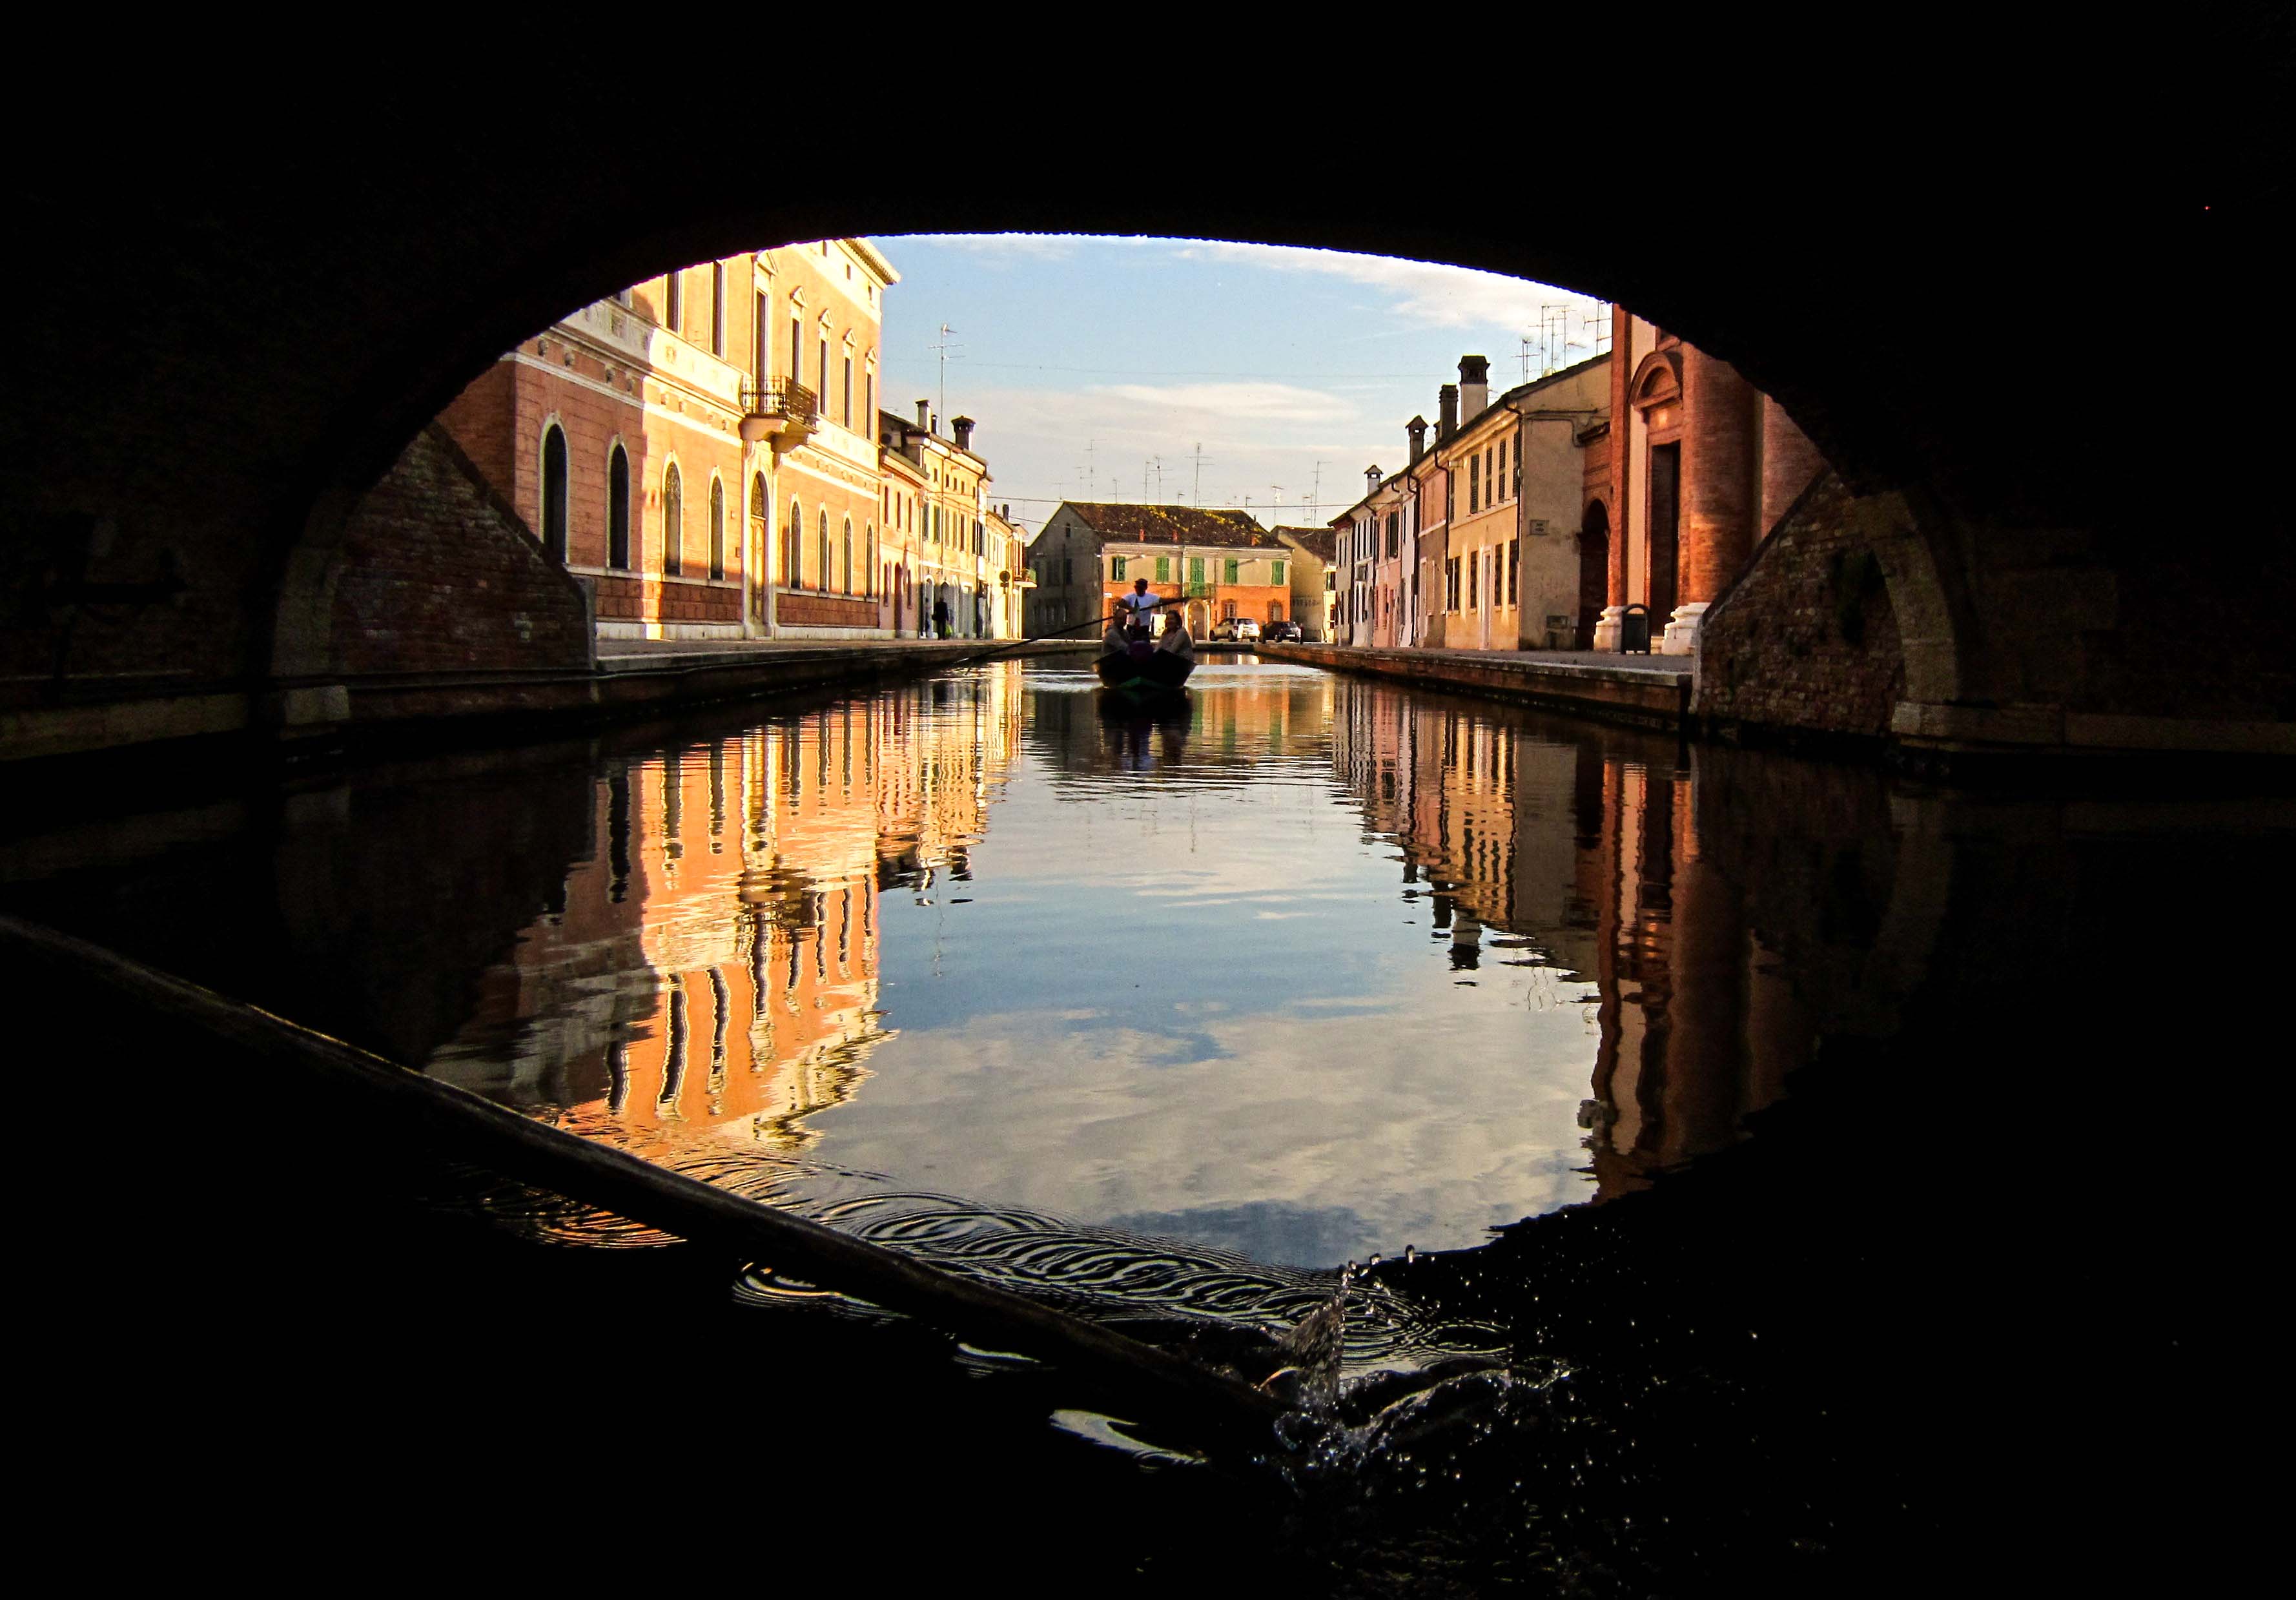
[(1446, 413), (1417, 429), (964, 426), (1474, 386), (924, 417)]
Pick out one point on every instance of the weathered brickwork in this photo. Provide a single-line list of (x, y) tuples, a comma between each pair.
[(1806, 639), (437, 573)]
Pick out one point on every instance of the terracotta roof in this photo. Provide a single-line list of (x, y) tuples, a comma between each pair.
[(1173, 525), (1322, 543)]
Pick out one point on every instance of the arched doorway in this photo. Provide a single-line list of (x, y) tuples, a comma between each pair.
[(1593, 572)]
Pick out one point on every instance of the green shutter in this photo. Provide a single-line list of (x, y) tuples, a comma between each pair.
[(1163, 569), (1116, 567), (1196, 569), (1277, 568), (1233, 568)]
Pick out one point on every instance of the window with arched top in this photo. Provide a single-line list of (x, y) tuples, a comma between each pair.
[(792, 531), (845, 569), (717, 528), (822, 572), (618, 509), (872, 568), (555, 491), (673, 522)]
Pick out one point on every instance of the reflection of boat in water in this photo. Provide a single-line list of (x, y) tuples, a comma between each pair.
[(1143, 668)]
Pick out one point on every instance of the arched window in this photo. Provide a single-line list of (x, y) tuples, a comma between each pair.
[(872, 560), (673, 522), (794, 532), (822, 572), (553, 494), (618, 509), (717, 528), (847, 570)]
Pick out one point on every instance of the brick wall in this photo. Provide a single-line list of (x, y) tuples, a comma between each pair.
[(1806, 638), (436, 573)]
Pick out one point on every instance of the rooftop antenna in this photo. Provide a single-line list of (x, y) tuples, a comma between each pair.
[(944, 348), (1526, 359), (1599, 321), (1197, 494), (1316, 495), (1091, 476), (1278, 513)]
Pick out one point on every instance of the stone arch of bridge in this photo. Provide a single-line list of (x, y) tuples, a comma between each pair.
[(371, 323)]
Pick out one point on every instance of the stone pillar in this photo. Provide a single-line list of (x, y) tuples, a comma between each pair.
[(1721, 428), (1607, 628), (1789, 462)]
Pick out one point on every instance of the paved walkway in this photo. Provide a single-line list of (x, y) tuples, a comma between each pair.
[(1670, 669)]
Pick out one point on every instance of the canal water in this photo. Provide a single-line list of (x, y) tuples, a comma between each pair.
[(1181, 1011)]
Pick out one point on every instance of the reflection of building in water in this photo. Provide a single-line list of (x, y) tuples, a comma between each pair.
[(713, 963), (1586, 856)]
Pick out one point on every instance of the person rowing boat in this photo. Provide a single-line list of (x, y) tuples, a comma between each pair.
[(1129, 660)]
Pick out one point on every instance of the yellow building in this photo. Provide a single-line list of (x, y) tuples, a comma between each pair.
[(819, 319)]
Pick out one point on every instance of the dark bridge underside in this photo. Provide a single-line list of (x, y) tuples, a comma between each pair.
[(221, 349)]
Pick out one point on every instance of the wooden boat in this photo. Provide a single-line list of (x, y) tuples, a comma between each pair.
[(1144, 669)]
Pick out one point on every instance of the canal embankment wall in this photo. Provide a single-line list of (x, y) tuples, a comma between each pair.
[(1656, 696)]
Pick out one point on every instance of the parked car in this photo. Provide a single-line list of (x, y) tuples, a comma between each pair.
[(1246, 629), (1275, 631)]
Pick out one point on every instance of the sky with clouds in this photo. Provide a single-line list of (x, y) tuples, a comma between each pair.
[(1086, 361)]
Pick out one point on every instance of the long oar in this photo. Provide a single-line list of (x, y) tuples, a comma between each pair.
[(278, 1055)]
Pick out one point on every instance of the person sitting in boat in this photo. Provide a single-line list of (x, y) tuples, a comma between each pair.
[(1137, 604), (1176, 637), (1115, 639)]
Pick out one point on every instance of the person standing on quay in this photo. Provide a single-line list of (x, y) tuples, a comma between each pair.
[(940, 617)]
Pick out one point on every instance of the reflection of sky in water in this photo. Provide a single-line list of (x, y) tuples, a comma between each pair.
[(1194, 1005)]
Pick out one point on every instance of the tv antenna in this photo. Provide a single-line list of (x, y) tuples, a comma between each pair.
[(943, 349), (1197, 494)]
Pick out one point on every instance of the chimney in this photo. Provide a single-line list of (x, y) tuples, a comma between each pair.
[(964, 426), (1005, 511), (1371, 479), (924, 417), (1446, 413), (1417, 428), (1474, 386)]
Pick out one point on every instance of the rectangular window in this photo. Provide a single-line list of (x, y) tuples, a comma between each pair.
[(822, 391), (797, 347), (1196, 570), (1515, 480), (1163, 569), (674, 309), (1514, 572), (1233, 572), (1474, 577), (760, 331), (846, 402), (1116, 567), (1496, 491), (717, 307), (1475, 483), (1275, 572)]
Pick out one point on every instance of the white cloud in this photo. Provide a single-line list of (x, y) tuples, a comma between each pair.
[(1421, 292), (1258, 402)]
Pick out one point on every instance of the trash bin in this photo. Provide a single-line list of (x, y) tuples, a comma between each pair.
[(1633, 629)]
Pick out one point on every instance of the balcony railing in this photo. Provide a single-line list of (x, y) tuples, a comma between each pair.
[(780, 397)]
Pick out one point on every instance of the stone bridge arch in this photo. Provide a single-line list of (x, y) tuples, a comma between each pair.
[(285, 345)]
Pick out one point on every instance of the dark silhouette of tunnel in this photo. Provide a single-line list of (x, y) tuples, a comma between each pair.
[(245, 340)]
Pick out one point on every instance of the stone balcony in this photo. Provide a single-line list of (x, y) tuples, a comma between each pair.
[(786, 414)]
